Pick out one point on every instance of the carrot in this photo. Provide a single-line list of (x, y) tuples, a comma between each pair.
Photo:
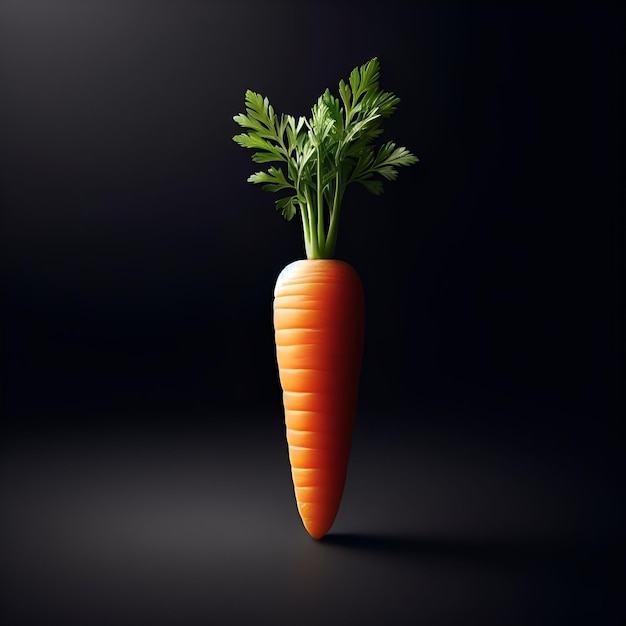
[(319, 323), (319, 311)]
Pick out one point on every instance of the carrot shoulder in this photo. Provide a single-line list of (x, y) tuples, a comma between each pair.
[(319, 329)]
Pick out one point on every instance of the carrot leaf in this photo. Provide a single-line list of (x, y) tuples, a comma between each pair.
[(324, 153)]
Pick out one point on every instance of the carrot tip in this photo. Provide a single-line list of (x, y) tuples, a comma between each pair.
[(317, 536), (317, 531)]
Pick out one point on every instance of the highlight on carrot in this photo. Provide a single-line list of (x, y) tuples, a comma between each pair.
[(319, 311)]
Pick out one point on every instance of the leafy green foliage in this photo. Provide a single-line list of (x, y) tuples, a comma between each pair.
[(324, 153)]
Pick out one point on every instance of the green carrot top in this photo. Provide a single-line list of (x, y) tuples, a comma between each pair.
[(325, 153)]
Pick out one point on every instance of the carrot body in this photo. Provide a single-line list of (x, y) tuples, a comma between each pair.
[(319, 330)]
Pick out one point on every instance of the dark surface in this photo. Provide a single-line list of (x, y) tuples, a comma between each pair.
[(144, 471), (440, 524)]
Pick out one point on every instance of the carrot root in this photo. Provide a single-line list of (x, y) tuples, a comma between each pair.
[(319, 330)]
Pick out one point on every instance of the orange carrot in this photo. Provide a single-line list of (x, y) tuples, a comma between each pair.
[(318, 302), (319, 323)]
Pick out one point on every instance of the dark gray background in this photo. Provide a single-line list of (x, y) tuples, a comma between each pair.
[(137, 274)]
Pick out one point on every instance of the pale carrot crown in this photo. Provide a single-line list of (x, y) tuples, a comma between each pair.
[(324, 153)]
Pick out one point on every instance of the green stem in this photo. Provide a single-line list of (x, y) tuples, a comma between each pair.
[(321, 236), (333, 228), (314, 251), (306, 230)]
